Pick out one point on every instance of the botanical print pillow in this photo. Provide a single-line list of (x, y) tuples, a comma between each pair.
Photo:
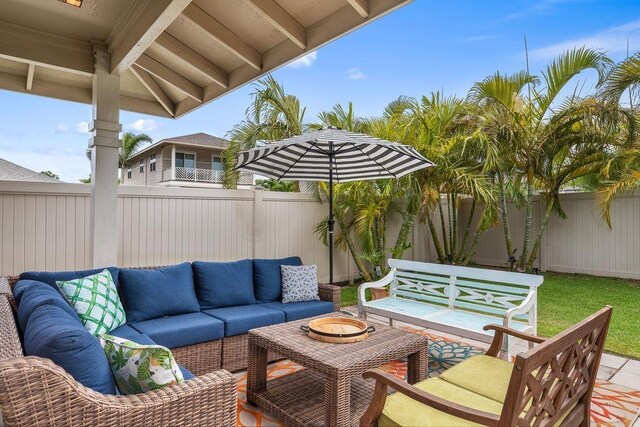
[(95, 299), (140, 368), (299, 283)]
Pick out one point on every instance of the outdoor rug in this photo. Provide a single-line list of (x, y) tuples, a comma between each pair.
[(612, 404)]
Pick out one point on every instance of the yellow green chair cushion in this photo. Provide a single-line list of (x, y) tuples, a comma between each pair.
[(401, 410), (485, 375)]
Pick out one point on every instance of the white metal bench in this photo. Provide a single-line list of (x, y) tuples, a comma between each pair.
[(456, 300)]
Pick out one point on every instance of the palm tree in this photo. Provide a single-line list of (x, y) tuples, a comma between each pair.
[(273, 115), (622, 171), (539, 138), (446, 131), (131, 143)]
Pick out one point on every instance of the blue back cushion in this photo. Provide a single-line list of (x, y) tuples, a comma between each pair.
[(52, 333), (150, 294), (267, 279), (224, 284), (30, 295), (51, 277)]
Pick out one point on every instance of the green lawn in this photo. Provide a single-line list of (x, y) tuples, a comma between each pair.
[(564, 299)]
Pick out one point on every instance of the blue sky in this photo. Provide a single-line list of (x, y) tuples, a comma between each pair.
[(426, 46)]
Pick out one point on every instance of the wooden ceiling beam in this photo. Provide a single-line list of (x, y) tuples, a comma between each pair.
[(319, 34), (361, 6), (31, 46), (191, 57), (169, 76), (279, 18), (218, 32), (30, 73), (139, 28), (147, 81)]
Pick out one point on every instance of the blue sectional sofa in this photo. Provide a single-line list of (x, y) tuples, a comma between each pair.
[(200, 310)]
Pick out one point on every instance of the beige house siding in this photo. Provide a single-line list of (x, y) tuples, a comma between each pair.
[(203, 157)]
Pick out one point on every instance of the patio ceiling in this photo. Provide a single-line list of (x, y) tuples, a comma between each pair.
[(173, 56)]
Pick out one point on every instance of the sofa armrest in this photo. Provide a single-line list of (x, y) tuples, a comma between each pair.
[(330, 293), (6, 292), (36, 392)]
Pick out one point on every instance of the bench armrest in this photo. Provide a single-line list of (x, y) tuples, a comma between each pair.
[(385, 380), (330, 293), (500, 331), (36, 392), (386, 280), (525, 307)]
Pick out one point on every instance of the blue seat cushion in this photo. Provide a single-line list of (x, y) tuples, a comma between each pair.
[(181, 330), (238, 320), (128, 333), (51, 277), (300, 310), (186, 374), (224, 284), (155, 293), (53, 333), (267, 279), (31, 294)]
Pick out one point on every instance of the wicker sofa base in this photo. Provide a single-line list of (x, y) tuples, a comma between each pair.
[(235, 353), (200, 358)]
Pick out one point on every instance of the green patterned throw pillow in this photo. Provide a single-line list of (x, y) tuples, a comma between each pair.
[(139, 368), (95, 299)]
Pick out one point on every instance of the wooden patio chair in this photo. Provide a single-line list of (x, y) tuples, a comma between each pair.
[(548, 385)]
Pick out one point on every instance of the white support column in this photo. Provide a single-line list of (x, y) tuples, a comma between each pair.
[(173, 162), (104, 145)]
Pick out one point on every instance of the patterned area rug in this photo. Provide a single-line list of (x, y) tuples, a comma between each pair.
[(612, 404)]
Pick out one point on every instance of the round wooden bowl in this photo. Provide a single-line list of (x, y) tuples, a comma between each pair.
[(337, 330)]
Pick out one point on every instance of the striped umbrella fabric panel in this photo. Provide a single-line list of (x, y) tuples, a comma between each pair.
[(356, 157)]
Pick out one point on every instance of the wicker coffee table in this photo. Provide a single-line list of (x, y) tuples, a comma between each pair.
[(330, 390)]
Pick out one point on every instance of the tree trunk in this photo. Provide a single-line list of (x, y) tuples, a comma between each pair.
[(472, 249), (505, 217), (452, 248), (407, 223), (352, 249), (454, 227), (543, 227), (436, 240), (443, 225), (527, 221), (467, 230)]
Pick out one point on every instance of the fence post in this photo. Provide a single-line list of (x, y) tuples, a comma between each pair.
[(258, 214)]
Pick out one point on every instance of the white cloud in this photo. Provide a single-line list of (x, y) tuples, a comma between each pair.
[(612, 40), (355, 74), (143, 125), (304, 61), (543, 6), (61, 128), (82, 127)]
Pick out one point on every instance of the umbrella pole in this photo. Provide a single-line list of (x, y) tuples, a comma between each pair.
[(330, 224)]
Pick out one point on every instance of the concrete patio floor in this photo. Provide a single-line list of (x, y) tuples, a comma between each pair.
[(617, 369)]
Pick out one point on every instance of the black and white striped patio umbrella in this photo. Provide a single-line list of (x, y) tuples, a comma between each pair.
[(333, 156)]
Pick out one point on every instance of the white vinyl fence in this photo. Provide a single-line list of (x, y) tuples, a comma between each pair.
[(581, 243), (45, 226)]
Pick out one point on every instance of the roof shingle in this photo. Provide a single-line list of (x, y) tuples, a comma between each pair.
[(13, 172)]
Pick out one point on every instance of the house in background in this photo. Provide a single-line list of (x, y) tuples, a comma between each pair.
[(183, 161), (13, 172)]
